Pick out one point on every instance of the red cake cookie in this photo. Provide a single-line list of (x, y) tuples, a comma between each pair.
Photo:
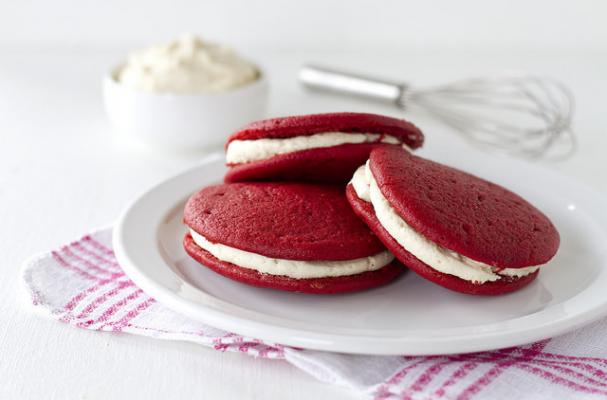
[(455, 229), (314, 148), (289, 236)]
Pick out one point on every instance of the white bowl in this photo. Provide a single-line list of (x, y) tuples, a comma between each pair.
[(182, 122)]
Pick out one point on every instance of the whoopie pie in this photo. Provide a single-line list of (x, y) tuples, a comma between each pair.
[(289, 236), (452, 228), (314, 148)]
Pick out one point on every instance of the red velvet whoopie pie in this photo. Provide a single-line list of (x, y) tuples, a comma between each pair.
[(455, 229), (325, 148), (288, 236)]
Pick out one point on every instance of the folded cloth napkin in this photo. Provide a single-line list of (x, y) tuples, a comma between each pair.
[(82, 284)]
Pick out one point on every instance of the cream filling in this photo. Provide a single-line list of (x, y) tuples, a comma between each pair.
[(187, 65), (438, 258), (242, 151), (292, 268), (361, 183)]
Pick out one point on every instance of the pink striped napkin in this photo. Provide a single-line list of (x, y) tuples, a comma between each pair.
[(81, 284)]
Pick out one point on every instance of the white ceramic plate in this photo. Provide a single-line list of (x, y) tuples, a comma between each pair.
[(409, 316)]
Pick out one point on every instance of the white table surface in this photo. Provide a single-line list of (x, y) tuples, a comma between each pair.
[(62, 173)]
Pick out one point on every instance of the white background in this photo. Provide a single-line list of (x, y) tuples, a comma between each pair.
[(394, 24), (61, 173)]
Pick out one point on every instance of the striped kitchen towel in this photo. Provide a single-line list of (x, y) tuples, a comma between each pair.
[(81, 284)]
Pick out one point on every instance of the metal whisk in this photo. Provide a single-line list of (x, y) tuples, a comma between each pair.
[(523, 115)]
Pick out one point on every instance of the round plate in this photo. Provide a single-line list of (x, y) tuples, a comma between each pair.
[(410, 316)]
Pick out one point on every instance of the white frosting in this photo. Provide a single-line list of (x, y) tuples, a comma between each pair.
[(242, 151), (292, 268), (361, 183), (433, 255), (187, 65)]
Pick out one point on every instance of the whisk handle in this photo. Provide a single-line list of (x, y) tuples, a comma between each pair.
[(321, 78)]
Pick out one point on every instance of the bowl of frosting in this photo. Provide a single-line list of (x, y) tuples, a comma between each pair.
[(185, 95)]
